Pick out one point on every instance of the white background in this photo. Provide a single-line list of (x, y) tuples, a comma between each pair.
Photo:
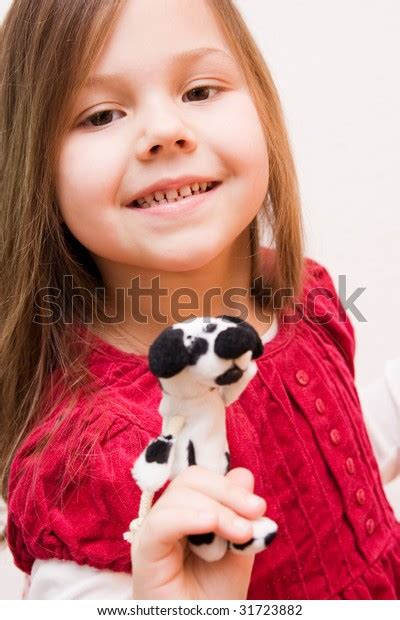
[(336, 66)]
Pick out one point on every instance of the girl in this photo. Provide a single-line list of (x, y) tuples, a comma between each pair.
[(108, 108)]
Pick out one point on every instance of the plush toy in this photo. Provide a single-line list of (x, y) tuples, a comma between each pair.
[(203, 365)]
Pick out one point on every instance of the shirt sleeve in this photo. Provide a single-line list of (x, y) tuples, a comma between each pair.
[(86, 524), (381, 408), (66, 580)]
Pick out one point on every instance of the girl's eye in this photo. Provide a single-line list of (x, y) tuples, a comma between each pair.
[(97, 117), (106, 115), (199, 89)]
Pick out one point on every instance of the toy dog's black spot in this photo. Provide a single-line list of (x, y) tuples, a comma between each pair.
[(229, 376), (258, 347), (232, 319), (201, 539), (158, 451), (228, 462), (168, 355), (196, 349), (234, 342), (210, 328), (242, 546), (269, 538), (191, 454)]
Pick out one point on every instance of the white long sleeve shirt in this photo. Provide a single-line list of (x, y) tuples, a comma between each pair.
[(380, 402)]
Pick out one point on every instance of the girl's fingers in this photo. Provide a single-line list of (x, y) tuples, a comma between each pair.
[(161, 530), (222, 489), (242, 477), (188, 513)]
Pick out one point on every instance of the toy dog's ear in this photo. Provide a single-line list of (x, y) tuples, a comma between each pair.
[(233, 342), (167, 354)]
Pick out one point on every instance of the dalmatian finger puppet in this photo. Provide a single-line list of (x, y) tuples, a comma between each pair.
[(203, 365)]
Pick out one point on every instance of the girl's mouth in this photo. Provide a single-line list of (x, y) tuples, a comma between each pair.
[(183, 206), (175, 197)]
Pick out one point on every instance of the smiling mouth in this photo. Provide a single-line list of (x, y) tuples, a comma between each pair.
[(142, 204)]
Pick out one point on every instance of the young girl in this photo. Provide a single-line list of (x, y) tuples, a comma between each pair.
[(109, 107)]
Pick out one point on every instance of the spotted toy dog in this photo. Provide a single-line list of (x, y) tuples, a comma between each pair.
[(203, 365)]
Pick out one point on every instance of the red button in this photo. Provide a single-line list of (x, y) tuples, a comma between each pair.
[(370, 526), (335, 436), (320, 406), (350, 465), (302, 377), (360, 496)]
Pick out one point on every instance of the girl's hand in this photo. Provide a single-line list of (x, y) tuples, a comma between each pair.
[(196, 502)]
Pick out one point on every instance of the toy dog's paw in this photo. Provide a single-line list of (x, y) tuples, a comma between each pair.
[(153, 467), (264, 532), (209, 547)]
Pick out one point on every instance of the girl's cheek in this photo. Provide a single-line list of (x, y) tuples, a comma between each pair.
[(241, 132), (89, 169), (246, 148)]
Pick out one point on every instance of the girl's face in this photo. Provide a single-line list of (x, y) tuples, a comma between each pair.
[(162, 116)]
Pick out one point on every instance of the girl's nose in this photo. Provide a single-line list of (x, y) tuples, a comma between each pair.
[(164, 131)]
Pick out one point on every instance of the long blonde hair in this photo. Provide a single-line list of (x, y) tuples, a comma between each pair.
[(47, 50)]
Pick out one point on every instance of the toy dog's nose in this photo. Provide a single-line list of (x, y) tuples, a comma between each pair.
[(229, 376)]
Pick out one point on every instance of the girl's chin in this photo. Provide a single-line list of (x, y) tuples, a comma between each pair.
[(190, 257)]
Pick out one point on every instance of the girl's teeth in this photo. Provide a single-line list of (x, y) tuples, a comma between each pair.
[(172, 195)]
